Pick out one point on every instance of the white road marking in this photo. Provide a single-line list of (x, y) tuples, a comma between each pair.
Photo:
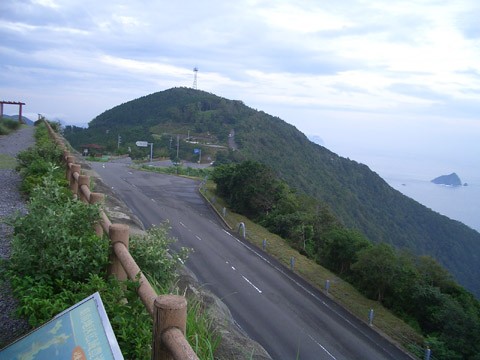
[(323, 347), (183, 225), (248, 281), (295, 282), (310, 293), (198, 237), (153, 200)]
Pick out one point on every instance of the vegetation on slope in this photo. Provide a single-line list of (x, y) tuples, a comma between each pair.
[(358, 197), (415, 288)]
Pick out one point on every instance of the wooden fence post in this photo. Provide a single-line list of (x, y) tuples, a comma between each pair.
[(70, 160), (83, 180), (118, 233), (75, 168), (97, 198), (169, 311)]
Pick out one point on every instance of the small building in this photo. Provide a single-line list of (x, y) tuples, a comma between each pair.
[(92, 150)]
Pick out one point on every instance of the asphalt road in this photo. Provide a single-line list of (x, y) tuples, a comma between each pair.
[(289, 318)]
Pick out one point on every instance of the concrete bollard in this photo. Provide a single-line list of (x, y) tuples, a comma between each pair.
[(241, 227), (371, 314)]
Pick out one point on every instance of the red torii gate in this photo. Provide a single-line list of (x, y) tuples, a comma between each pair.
[(20, 104)]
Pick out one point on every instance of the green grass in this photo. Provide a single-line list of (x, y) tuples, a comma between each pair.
[(201, 333), (340, 291), (8, 126), (7, 162), (178, 170), (200, 330)]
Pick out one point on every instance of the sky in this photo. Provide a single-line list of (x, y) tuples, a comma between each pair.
[(373, 80)]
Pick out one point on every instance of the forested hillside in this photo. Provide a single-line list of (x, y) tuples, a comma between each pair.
[(356, 195)]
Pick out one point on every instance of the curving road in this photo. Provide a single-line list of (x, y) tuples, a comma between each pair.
[(289, 318)]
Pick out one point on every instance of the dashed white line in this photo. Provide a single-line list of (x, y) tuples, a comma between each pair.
[(248, 281), (293, 280), (303, 288), (185, 226), (198, 237), (153, 200), (323, 347)]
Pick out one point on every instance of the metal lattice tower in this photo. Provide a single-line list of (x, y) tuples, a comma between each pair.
[(195, 71)]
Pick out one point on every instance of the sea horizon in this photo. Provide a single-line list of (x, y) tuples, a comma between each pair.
[(412, 177)]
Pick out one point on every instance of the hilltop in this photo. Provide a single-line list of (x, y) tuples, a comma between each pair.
[(182, 120)]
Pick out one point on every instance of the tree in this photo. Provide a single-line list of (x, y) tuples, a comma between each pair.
[(341, 247), (375, 270), (434, 274), (249, 188)]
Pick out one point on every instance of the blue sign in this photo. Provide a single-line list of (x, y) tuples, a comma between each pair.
[(196, 151), (80, 332)]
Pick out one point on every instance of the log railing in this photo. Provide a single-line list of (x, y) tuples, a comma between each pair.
[(169, 312)]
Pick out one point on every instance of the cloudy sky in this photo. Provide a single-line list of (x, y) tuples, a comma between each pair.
[(374, 79)]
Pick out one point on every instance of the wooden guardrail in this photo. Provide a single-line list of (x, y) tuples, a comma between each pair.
[(169, 312)]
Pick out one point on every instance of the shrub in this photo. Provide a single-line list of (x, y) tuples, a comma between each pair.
[(152, 255), (40, 301), (34, 163), (56, 237), (8, 125)]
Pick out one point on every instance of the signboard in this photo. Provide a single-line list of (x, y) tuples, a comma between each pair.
[(80, 332), (196, 151), (142, 143)]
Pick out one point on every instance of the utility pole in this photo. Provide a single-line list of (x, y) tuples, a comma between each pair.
[(195, 71), (178, 144)]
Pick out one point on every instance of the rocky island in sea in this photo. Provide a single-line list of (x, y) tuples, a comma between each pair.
[(449, 180)]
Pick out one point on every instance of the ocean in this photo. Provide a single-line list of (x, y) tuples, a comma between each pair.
[(459, 203), (412, 177)]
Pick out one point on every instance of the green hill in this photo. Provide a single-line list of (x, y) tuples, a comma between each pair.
[(357, 195), (15, 117)]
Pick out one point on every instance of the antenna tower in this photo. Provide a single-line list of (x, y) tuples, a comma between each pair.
[(195, 71)]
